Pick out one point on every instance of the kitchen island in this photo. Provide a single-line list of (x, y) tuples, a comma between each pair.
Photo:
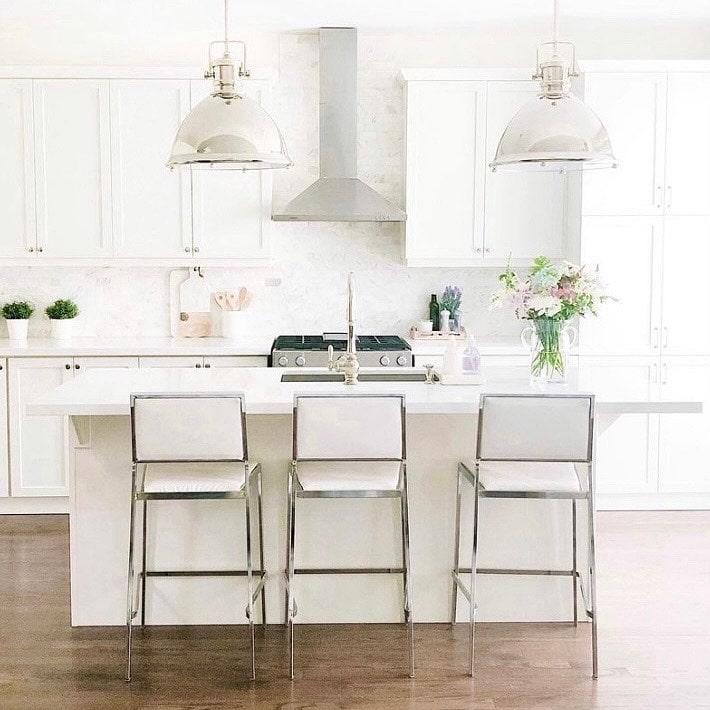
[(441, 426)]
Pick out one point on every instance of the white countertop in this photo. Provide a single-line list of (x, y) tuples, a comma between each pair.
[(105, 347), (106, 392)]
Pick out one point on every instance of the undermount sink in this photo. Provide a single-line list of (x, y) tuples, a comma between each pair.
[(362, 377)]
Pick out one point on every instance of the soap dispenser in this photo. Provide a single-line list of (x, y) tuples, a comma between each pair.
[(471, 358)]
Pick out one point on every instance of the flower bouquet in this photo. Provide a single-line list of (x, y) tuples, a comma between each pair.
[(550, 297)]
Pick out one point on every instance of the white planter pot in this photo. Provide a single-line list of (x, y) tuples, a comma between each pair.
[(17, 328), (62, 329), (233, 324)]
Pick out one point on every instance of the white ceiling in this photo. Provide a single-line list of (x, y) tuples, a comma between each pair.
[(114, 15)]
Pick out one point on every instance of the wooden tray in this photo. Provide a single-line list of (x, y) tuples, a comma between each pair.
[(437, 335)]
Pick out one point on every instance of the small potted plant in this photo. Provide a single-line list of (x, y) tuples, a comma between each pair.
[(61, 315), (17, 315)]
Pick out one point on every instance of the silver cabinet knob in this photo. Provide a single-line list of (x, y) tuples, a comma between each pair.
[(283, 361), (300, 361), (196, 249), (31, 249), (187, 250), (67, 366), (40, 249), (198, 365), (401, 361), (207, 364), (384, 360)]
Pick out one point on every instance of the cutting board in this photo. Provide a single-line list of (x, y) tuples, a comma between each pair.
[(190, 304)]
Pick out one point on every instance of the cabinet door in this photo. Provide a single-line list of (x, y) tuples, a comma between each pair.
[(17, 183), (85, 364), (151, 204), (445, 175), (231, 208), (684, 441), (236, 361), (72, 165), (626, 456), (525, 211), (688, 145), (4, 459), (171, 361), (632, 108), (686, 254), (38, 444), (627, 251)]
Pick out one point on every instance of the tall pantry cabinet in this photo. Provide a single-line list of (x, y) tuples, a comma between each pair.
[(647, 226)]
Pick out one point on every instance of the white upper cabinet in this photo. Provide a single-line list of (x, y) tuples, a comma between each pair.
[(687, 182), (445, 173), (632, 108), (231, 209), (686, 255), (525, 212), (17, 185), (151, 205), (72, 166), (627, 251)]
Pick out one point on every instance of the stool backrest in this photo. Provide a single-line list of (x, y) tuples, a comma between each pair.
[(354, 427), (188, 427), (535, 427)]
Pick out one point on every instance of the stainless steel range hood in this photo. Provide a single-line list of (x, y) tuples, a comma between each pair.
[(339, 195)]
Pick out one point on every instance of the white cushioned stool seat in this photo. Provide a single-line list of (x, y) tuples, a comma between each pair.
[(527, 476), (189, 477), (348, 475)]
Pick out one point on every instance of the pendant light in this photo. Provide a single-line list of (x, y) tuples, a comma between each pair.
[(228, 130), (554, 131)]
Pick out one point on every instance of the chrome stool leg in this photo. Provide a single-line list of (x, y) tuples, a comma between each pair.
[(144, 568), (472, 588), (129, 593), (290, 569), (250, 584), (404, 504), (574, 560), (457, 542), (593, 579), (261, 550)]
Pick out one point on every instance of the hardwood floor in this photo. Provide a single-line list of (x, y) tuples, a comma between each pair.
[(654, 597)]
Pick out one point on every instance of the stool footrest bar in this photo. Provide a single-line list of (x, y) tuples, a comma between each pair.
[(462, 587), (350, 570), (202, 573), (527, 572)]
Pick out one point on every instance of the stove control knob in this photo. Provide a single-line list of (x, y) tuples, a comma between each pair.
[(401, 360), (384, 360), (300, 361), (283, 361)]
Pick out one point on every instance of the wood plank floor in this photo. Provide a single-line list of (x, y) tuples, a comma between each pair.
[(654, 642)]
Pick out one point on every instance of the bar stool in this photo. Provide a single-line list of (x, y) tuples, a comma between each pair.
[(192, 447), (531, 446), (349, 446)]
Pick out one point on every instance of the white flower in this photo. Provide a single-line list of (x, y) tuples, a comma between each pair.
[(544, 305)]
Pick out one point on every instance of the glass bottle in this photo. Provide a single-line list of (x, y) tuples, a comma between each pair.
[(434, 311)]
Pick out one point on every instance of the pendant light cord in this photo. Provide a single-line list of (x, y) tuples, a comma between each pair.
[(555, 24), (226, 26)]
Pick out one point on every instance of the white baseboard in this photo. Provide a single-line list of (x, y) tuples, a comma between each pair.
[(653, 501), (34, 506)]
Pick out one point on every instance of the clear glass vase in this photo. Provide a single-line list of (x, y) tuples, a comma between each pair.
[(549, 342)]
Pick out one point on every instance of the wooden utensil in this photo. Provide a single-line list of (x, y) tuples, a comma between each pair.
[(221, 300)]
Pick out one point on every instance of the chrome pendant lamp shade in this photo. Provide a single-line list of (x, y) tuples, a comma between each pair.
[(228, 130), (556, 130)]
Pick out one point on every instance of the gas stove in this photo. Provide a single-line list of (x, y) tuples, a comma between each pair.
[(312, 350)]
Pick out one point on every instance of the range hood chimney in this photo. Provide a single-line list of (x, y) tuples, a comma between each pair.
[(339, 195)]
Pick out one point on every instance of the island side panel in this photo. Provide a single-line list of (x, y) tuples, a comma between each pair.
[(207, 534)]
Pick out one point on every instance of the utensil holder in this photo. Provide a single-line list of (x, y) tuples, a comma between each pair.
[(232, 325)]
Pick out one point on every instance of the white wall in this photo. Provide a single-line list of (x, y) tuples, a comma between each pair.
[(313, 258)]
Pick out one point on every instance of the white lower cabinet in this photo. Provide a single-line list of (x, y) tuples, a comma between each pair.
[(171, 361), (4, 459), (684, 439), (206, 362), (38, 445), (626, 458)]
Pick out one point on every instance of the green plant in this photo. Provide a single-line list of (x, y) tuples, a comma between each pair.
[(62, 309), (17, 310)]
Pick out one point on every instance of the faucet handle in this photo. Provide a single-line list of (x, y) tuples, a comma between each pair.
[(429, 374), (331, 358)]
